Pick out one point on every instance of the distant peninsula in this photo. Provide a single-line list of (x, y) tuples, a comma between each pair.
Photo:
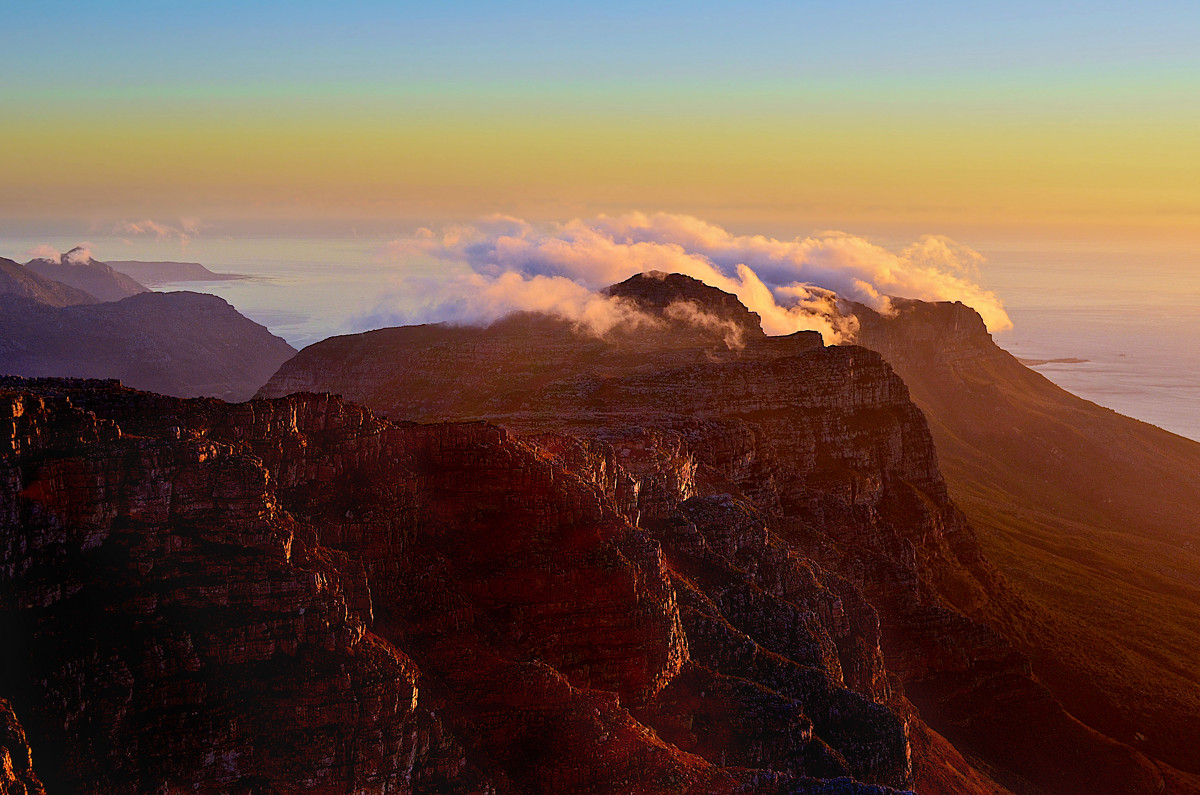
[(1040, 362), (153, 274)]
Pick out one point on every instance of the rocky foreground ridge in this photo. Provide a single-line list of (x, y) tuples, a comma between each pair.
[(295, 593), (825, 446)]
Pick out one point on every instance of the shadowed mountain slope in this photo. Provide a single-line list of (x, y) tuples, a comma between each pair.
[(16, 279), (1095, 515), (185, 344)]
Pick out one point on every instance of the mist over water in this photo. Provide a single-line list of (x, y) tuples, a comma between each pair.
[(1133, 316)]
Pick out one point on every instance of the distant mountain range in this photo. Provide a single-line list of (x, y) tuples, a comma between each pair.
[(79, 317), (185, 344), (16, 279), (77, 269)]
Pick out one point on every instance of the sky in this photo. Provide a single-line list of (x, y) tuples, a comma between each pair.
[(1014, 121)]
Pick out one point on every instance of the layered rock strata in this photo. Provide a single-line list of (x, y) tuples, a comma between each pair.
[(296, 593)]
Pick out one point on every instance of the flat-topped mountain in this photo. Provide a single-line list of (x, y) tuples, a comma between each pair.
[(154, 274), (16, 279), (825, 445), (78, 269), (186, 344)]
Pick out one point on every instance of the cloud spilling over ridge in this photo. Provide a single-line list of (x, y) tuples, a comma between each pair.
[(477, 298), (80, 255), (44, 252), (793, 284), (76, 256)]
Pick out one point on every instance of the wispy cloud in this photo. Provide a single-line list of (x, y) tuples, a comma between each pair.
[(44, 252), (184, 231)]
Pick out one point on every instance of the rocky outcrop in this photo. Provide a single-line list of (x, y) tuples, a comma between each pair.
[(296, 592), (17, 776), (79, 270), (674, 296), (168, 623), (16, 279), (185, 344)]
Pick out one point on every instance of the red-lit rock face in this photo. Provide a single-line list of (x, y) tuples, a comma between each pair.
[(295, 593)]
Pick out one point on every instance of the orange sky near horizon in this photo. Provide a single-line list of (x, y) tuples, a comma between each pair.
[(1040, 178), (1007, 122)]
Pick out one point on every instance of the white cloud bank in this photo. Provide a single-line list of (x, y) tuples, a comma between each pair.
[(793, 284)]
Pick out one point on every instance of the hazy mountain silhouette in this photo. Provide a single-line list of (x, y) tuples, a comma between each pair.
[(184, 344), (156, 273), (16, 279), (78, 269)]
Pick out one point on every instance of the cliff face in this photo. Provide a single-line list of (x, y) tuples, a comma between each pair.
[(295, 592), (824, 445), (1093, 514), (185, 344)]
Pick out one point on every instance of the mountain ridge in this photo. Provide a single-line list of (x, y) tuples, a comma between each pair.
[(1082, 493), (180, 343), (499, 620), (77, 268), (746, 407)]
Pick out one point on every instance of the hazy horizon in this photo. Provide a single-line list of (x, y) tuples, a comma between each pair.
[(1136, 336)]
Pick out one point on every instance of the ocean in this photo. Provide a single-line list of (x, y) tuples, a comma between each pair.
[(1120, 328)]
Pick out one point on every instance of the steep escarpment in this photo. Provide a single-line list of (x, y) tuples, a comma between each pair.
[(166, 622), (823, 443), (1092, 513), (185, 344), (297, 593)]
